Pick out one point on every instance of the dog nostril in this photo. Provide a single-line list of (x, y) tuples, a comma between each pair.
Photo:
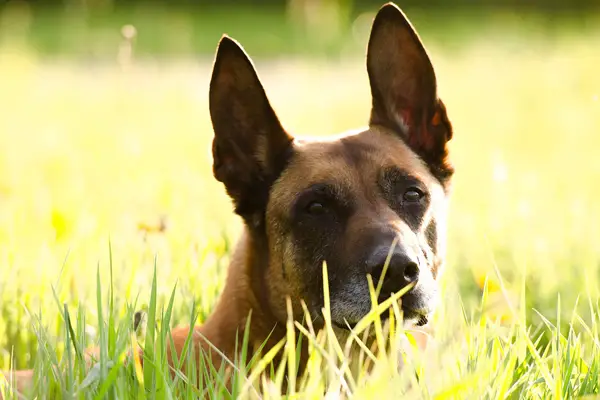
[(411, 272)]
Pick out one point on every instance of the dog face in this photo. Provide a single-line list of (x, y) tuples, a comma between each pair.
[(343, 200)]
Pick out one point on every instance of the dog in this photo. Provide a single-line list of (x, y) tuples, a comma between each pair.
[(343, 200)]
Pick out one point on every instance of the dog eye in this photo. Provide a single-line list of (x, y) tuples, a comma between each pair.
[(315, 208), (412, 195)]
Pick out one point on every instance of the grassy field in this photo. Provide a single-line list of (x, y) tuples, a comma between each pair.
[(107, 167)]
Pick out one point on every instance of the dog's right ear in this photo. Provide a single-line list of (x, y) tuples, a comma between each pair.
[(250, 147)]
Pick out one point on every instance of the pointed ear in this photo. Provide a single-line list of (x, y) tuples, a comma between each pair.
[(404, 88), (250, 146)]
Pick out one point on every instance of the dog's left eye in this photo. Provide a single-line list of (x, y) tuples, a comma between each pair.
[(412, 195), (315, 208)]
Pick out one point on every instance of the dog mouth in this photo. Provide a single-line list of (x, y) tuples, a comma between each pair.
[(420, 318)]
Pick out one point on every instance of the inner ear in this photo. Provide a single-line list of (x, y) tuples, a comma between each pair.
[(250, 146)]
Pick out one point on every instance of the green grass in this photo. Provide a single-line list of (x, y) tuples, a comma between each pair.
[(93, 157)]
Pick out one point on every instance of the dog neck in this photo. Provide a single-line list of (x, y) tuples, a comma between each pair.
[(245, 296)]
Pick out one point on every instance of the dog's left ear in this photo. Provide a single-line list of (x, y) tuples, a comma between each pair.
[(250, 146), (404, 88)]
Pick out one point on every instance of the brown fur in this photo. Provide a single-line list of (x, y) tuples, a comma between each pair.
[(342, 199)]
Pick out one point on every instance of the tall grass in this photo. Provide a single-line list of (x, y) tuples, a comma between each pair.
[(471, 357), (97, 154)]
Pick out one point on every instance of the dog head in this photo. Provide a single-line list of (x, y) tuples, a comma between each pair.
[(347, 199)]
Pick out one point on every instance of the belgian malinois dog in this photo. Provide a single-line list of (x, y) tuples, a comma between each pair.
[(342, 200)]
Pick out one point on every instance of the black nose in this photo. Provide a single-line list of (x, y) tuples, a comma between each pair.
[(402, 269)]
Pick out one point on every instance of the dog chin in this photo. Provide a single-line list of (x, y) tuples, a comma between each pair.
[(347, 311)]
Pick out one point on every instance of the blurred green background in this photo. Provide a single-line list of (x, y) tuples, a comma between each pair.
[(105, 134), (91, 29)]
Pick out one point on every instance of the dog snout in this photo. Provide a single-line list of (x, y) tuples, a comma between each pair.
[(402, 269)]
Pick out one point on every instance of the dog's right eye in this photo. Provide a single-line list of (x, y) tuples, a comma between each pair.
[(315, 208), (412, 195)]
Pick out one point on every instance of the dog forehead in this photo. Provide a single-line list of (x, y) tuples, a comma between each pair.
[(346, 160)]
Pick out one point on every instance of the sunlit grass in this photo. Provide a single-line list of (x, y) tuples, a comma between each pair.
[(92, 155), (471, 357)]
